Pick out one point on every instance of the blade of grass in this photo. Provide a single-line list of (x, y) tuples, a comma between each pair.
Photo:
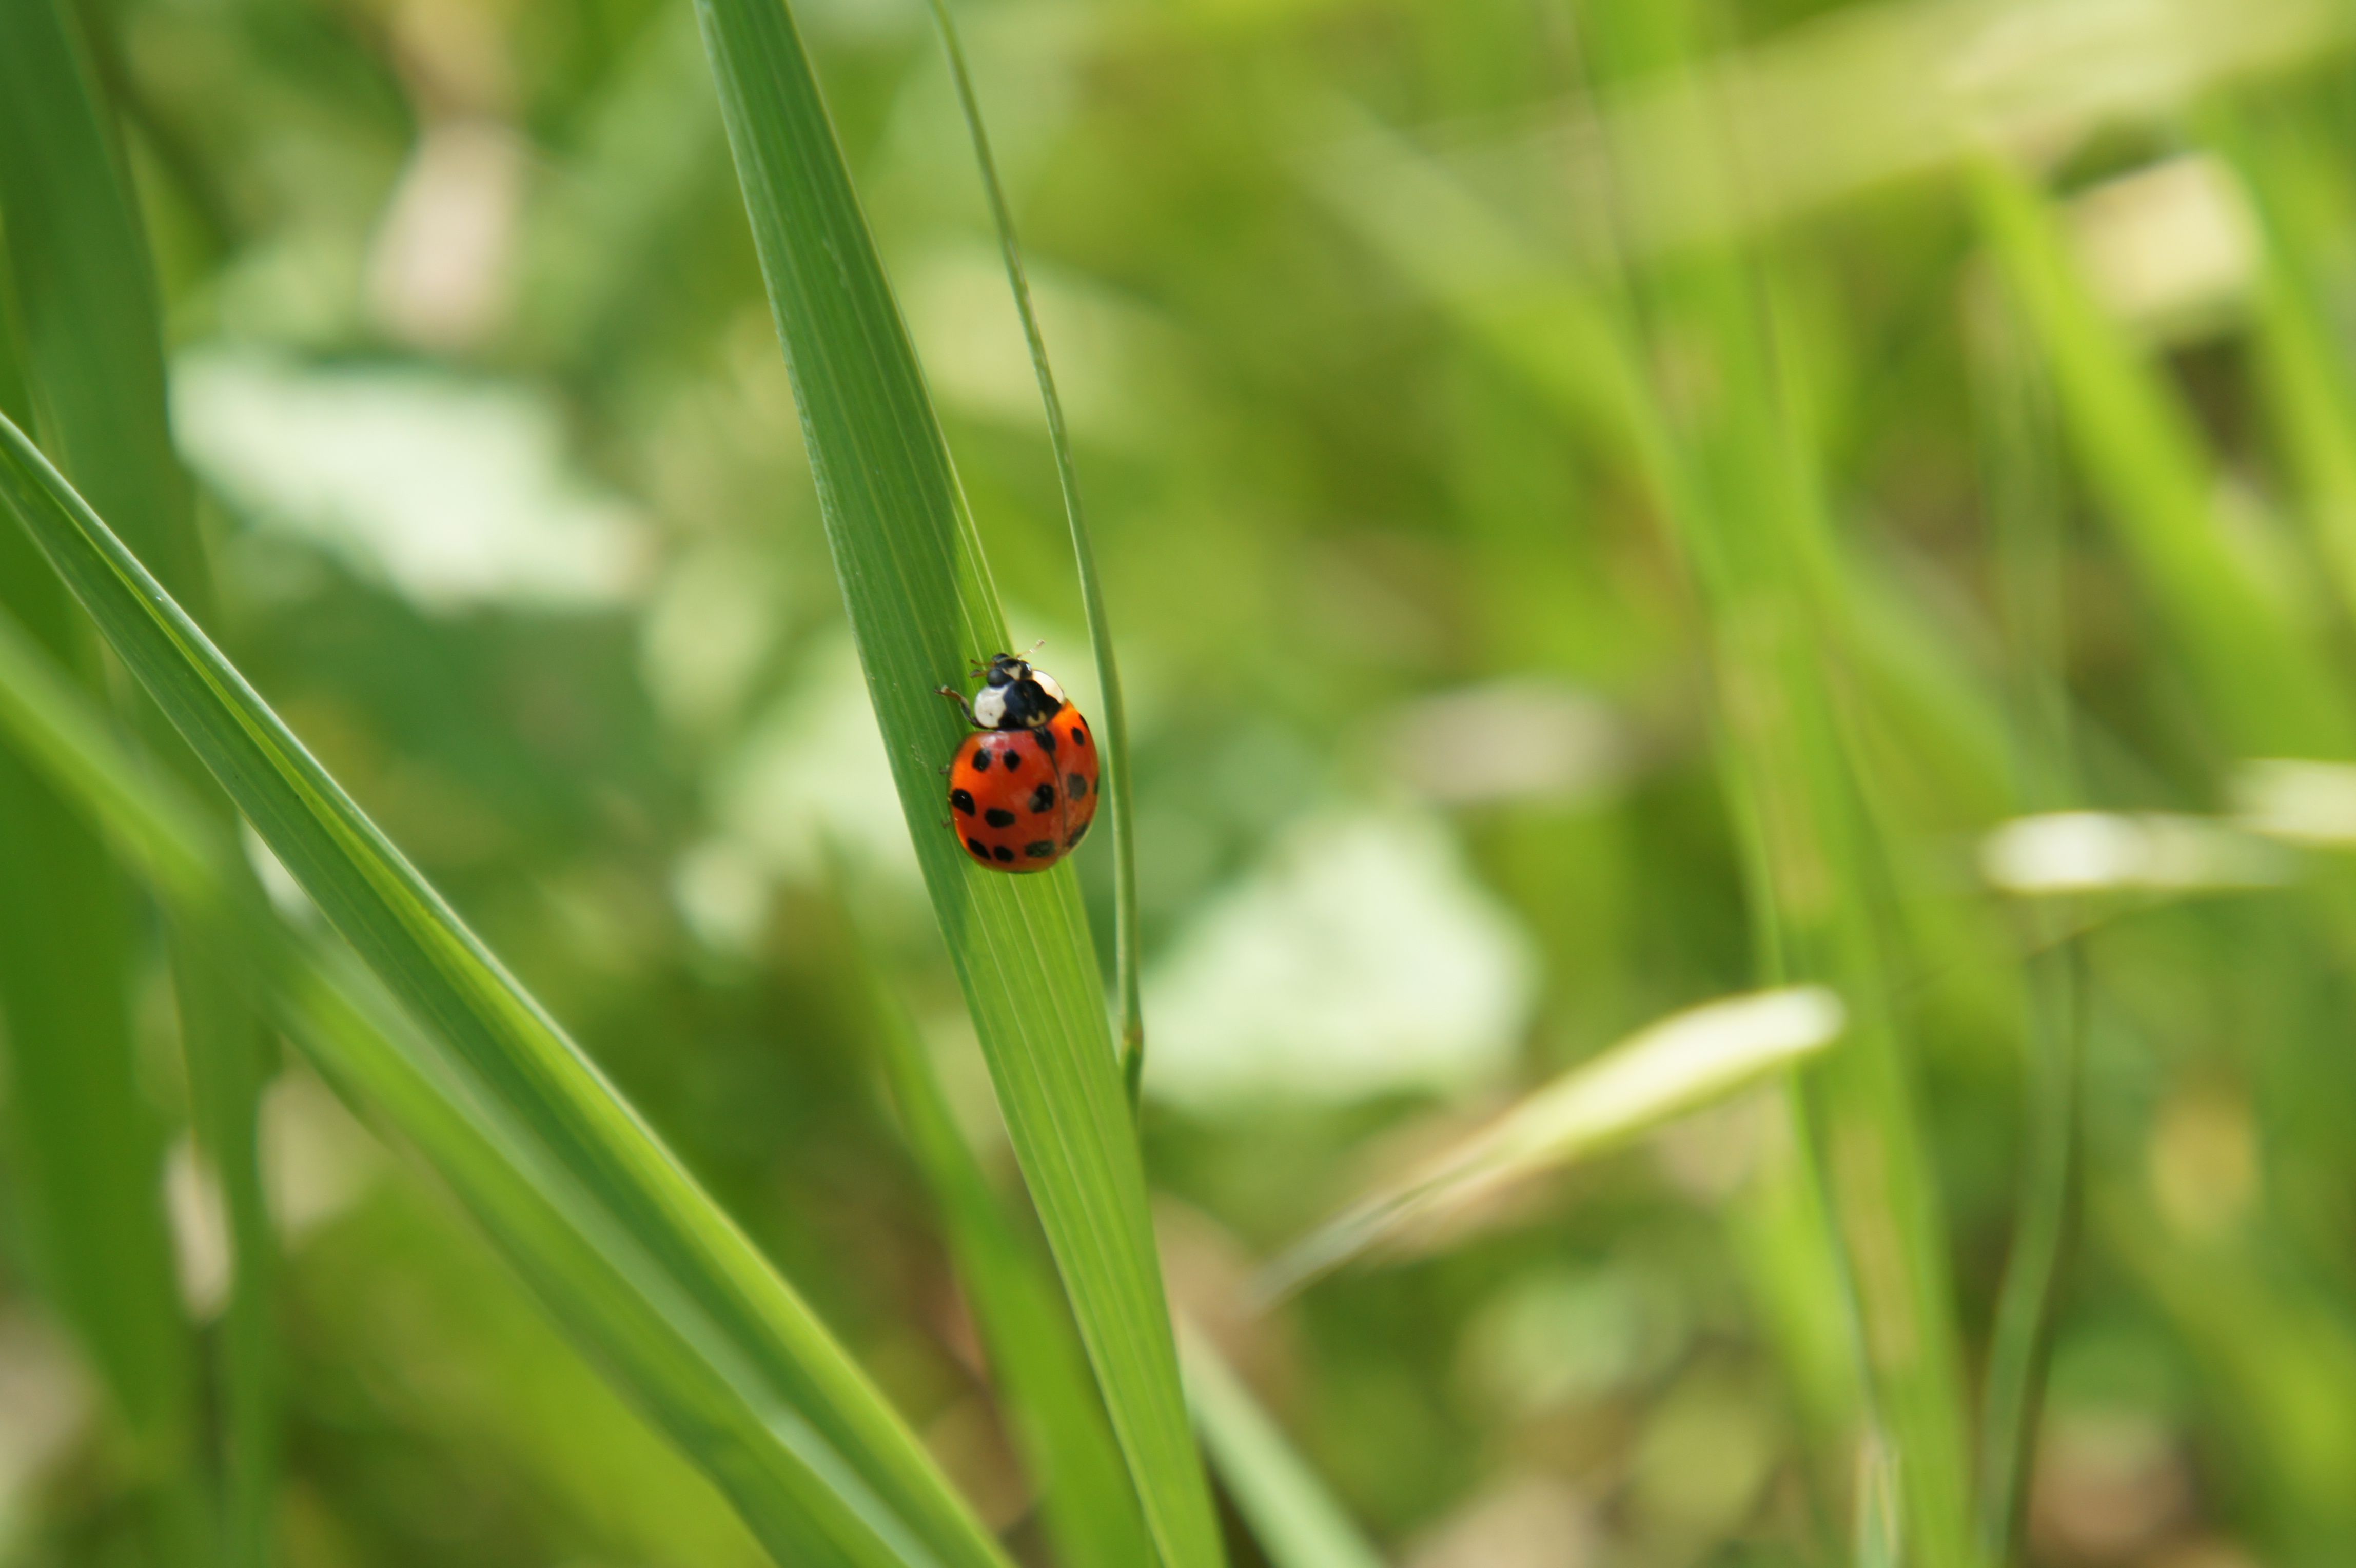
[(1295, 1519), (2267, 686), (922, 608), (2308, 383), (1091, 1509), (2020, 1339), (1560, 333), (95, 365), (2278, 1351), (2023, 503), (636, 1321), (1567, 337), (1919, 85), (1749, 513), (90, 1152), (1687, 1060), (1112, 726), (757, 1388)]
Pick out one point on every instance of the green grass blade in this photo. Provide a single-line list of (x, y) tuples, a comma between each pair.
[(792, 1485), (811, 1452), (1295, 1519), (2020, 1339), (2023, 500), (1090, 1507), (95, 365), (2309, 387), (1750, 515), (922, 608), (1557, 332), (2266, 684), (1112, 725), (90, 1153), (91, 355)]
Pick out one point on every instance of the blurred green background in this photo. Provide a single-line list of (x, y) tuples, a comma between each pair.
[(1439, 698)]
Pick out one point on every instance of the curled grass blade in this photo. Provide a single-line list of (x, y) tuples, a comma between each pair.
[(598, 1212), (1685, 1061), (1113, 722), (922, 610)]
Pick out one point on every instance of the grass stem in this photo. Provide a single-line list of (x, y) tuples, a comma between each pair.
[(1113, 724)]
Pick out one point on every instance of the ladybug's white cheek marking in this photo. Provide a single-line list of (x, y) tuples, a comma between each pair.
[(990, 707)]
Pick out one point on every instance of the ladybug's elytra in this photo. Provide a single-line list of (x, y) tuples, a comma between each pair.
[(1022, 788)]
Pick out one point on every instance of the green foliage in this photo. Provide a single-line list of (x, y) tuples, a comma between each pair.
[(1294, 1520), (95, 365), (924, 612), (1090, 1506), (1601, 508), (732, 1362), (91, 1154), (1113, 730)]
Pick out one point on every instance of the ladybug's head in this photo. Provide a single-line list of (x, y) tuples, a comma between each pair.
[(1015, 697)]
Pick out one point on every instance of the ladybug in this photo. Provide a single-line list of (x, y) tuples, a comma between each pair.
[(1024, 786)]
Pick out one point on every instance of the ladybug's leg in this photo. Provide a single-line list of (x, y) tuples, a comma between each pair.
[(954, 695)]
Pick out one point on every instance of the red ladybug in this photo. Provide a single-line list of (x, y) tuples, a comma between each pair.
[(1022, 788)]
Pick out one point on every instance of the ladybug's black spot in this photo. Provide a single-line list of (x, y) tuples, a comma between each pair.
[(1079, 736), (1075, 785), (1043, 799), (1010, 759), (1043, 850), (1046, 738), (982, 760), (999, 816), (1078, 834), (980, 850), (1002, 852), (962, 800)]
